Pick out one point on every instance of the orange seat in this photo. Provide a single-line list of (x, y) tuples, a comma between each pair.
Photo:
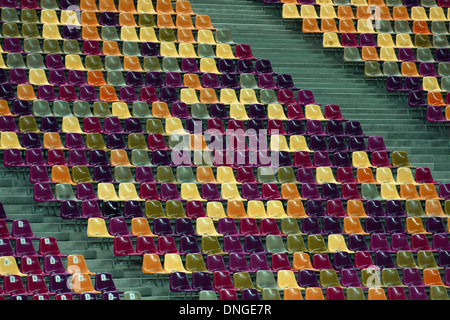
[(4, 109), (95, 78), (345, 12), (328, 25), (90, 32), (365, 175), (400, 13), (310, 25), (52, 140), (191, 80), (408, 192), (203, 22), (409, 69), (289, 191), (369, 54), (208, 96), (26, 92), (432, 277), (380, 3), (435, 98), (81, 283), (314, 293), (415, 225), (160, 110), (77, 264), (111, 48), (151, 264), (421, 27), (88, 18), (433, 208), (108, 93), (292, 294), (364, 12), (107, 5), (427, 191), (347, 26), (236, 209), (197, 142), (183, 7), (132, 63), (184, 21), (140, 227), (352, 225), (88, 5), (301, 261), (61, 174), (126, 19), (164, 6), (119, 157), (376, 293), (205, 175), (382, 12), (355, 208), (164, 20), (126, 6), (295, 208), (185, 36)]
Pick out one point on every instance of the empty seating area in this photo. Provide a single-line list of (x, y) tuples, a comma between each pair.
[(402, 43), (171, 147)]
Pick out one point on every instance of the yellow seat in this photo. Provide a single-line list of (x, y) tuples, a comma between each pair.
[(107, 192), (229, 191), (173, 263), (71, 125), (204, 226), (384, 40), (298, 143), (308, 11), (248, 96), (384, 175), (189, 192), (404, 175), (331, 40), (403, 40), (174, 126), (208, 65), (360, 159), (215, 210), (96, 228), (145, 6), (187, 50), (431, 84), (128, 34), (275, 209), (128, 192), (10, 140), (37, 77), (205, 36), (437, 14), (148, 34), (290, 11), (49, 16), (313, 112), (278, 143), (224, 51), (238, 111), (419, 13), (365, 26), (256, 209), (325, 175), (327, 11), (276, 111), (225, 174), (388, 54), (73, 62), (120, 109), (287, 279), (389, 192), (69, 17), (51, 31), (336, 242), (8, 266), (228, 96), (168, 49)]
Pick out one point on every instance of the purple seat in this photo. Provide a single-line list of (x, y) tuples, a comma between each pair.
[(383, 259), (318, 143), (307, 279), (444, 191), (322, 159), (8, 124), (169, 191), (310, 225), (128, 94), (337, 144), (189, 65), (315, 208), (435, 225), (258, 261), (227, 226), (180, 283), (270, 191), (350, 278), (379, 241), (321, 261), (342, 261), (13, 158), (376, 143), (161, 158), (427, 69), (107, 19), (162, 227), (85, 191), (335, 128), (394, 208), (210, 192), (356, 143), (74, 77), (306, 97), (330, 191), (132, 209), (22, 108), (353, 128), (435, 114), (331, 225), (285, 81), (248, 226), (374, 225), (39, 174), (115, 141), (349, 40), (18, 76), (149, 49), (180, 110), (417, 293), (419, 242), (357, 242), (263, 66), (90, 208), (218, 110), (442, 55), (23, 246), (201, 281), (305, 175), (406, 54), (440, 242), (111, 209), (211, 80), (250, 191), (400, 242), (229, 81), (87, 93), (54, 61), (215, 263), (412, 277), (154, 79), (232, 245), (367, 40), (266, 81), (183, 226), (12, 45), (7, 92), (42, 192), (413, 84), (148, 94), (58, 282), (244, 51), (49, 124), (168, 94), (226, 66), (374, 208), (245, 66), (394, 225), (173, 80), (314, 128), (424, 175), (144, 174), (189, 245)]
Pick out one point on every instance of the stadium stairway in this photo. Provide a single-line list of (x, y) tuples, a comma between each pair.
[(322, 72)]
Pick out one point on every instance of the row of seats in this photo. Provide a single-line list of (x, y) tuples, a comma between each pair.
[(356, 3)]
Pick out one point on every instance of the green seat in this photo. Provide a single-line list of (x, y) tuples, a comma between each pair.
[(170, 64), (15, 60), (275, 244), (27, 15), (286, 175), (123, 174), (439, 27), (51, 46), (438, 292), (402, 26), (440, 41), (32, 45), (115, 78), (81, 109), (62, 109), (329, 278), (35, 61), (243, 280), (414, 208), (207, 295), (444, 69), (154, 209), (289, 226), (49, 4), (248, 81), (426, 260), (224, 36), (424, 55), (140, 109), (101, 109), (10, 15), (316, 244), (271, 294), (384, 26), (445, 83), (11, 30), (369, 191), (132, 295), (41, 108), (195, 263), (81, 174), (151, 64), (113, 63), (352, 54), (109, 33), (422, 41), (199, 110), (354, 293), (140, 158), (137, 141), (93, 63), (71, 46), (95, 141), (28, 124), (130, 48), (265, 175), (154, 126), (370, 277), (210, 245), (146, 20), (295, 243), (185, 174), (372, 69), (390, 277), (30, 30), (265, 279), (405, 259), (391, 69), (206, 50), (165, 174), (167, 35), (268, 96), (400, 159), (175, 209), (64, 191)]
